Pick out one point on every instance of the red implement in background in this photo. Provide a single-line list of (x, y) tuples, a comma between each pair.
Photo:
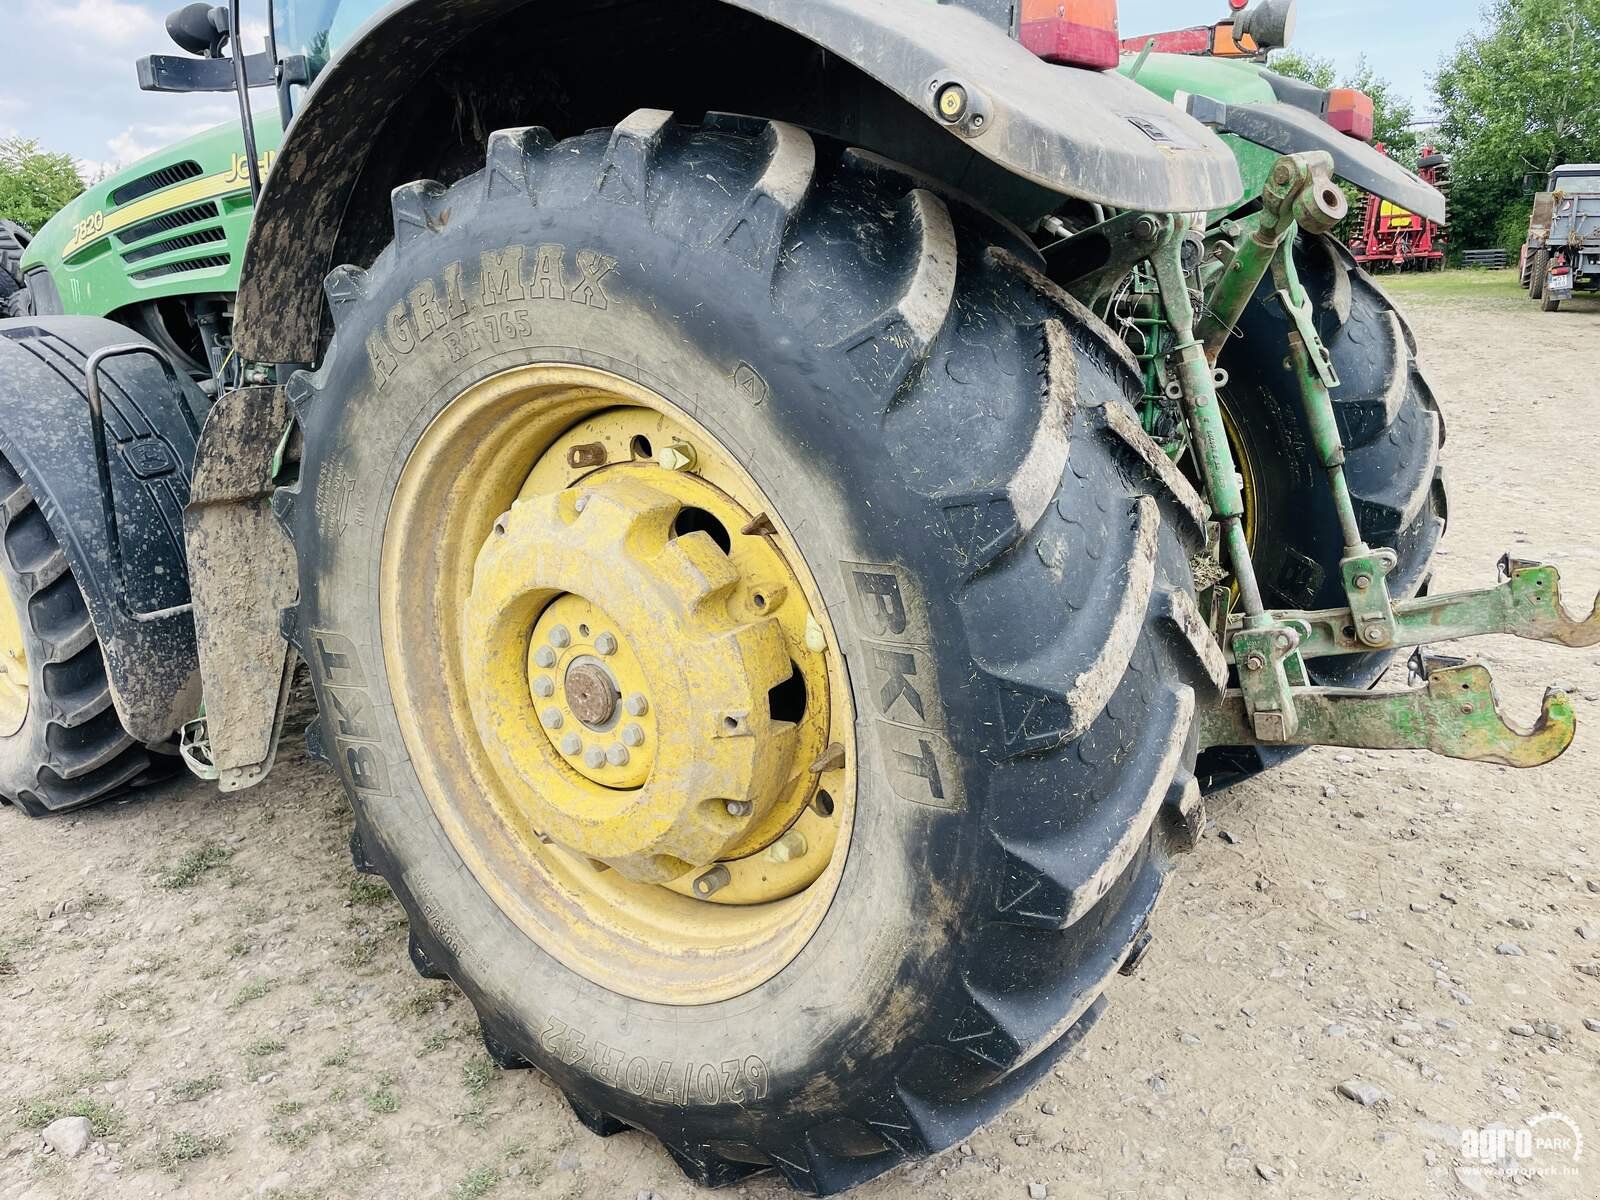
[(1392, 238)]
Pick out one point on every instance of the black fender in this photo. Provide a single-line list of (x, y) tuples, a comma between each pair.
[(136, 588), (870, 72), (1291, 126)]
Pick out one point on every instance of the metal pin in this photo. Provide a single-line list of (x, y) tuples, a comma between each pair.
[(738, 808), (713, 881)]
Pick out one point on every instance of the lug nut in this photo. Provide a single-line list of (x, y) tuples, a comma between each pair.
[(636, 704), (571, 745), (617, 755), (544, 687), (605, 644), (544, 657), (632, 735), (789, 847), (560, 638), (738, 808), (713, 881), (551, 717), (594, 758)]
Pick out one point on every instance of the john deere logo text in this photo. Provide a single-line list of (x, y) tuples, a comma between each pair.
[(467, 318)]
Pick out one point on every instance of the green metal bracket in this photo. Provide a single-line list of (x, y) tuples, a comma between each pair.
[(1526, 604), (1454, 714)]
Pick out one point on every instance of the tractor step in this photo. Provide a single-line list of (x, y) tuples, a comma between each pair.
[(1454, 714), (1526, 604)]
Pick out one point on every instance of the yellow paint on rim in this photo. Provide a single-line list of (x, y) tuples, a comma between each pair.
[(14, 677), (553, 495)]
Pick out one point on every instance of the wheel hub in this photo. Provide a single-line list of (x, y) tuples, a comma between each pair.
[(13, 667), (622, 674)]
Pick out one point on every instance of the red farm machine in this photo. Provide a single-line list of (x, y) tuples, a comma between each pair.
[(1390, 238)]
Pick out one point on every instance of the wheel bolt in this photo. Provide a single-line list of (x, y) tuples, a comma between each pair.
[(544, 657), (617, 755), (594, 758), (551, 717), (560, 638), (636, 704), (544, 687), (738, 808), (713, 880), (632, 735), (605, 644), (571, 744), (789, 847)]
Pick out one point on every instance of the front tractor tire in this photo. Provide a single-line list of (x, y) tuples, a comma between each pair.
[(646, 466), (62, 745)]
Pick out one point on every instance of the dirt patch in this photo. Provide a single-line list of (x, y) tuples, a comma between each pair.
[(231, 1006)]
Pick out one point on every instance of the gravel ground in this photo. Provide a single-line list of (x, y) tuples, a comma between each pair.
[(1369, 955)]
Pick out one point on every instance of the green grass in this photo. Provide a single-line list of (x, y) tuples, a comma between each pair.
[(193, 1089), (298, 1137), (253, 990), (340, 1057), (182, 1147), (264, 1047), (478, 1182), (1425, 287), (367, 892), (36, 1114), (382, 1100), (476, 1075), (189, 869)]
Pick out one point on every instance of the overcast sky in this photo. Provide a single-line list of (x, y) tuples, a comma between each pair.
[(67, 77)]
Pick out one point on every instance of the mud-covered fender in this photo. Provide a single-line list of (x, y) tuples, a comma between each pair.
[(1083, 133), (137, 596)]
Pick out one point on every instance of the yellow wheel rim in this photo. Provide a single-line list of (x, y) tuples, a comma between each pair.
[(13, 667), (618, 683)]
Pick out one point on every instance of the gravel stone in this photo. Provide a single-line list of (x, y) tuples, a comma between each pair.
[(1363, 1093), (68, 1136)]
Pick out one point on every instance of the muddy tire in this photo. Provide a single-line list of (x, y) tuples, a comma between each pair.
[(62, 745), (1393, 433), (1539, 277), (14, 240), (949, 449)]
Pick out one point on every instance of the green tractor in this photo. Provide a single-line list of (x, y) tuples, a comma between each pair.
[(787, 506)]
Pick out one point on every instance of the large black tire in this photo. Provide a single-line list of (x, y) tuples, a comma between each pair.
[(71, 749), (1540, 276), (1393, 433), (14, 240), (924, 387)]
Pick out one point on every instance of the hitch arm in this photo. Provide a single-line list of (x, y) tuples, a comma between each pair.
[(1453, 714), (1526, 604)]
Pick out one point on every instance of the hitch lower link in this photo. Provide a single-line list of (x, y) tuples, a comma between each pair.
[(1454, 713)]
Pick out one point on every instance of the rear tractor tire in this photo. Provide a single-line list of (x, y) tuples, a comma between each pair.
[(62, 745), (1393, 434), (1540, 277), (622, 450)]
